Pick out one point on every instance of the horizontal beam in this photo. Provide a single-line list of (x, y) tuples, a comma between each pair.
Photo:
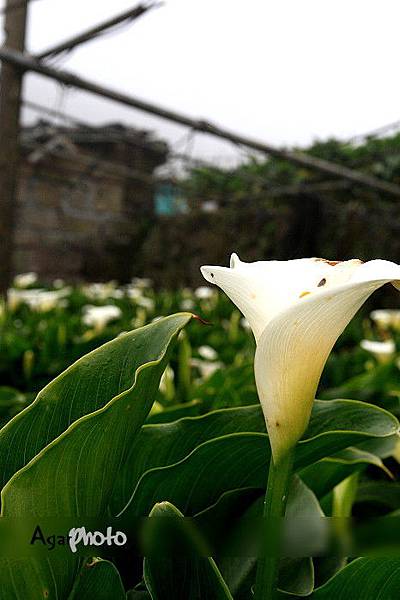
[(27, 63)]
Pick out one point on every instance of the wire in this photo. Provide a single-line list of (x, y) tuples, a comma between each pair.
[(55, 113), (107, 168), (375, 132)]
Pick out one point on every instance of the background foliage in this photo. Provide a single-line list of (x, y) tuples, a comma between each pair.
[(272, 209)]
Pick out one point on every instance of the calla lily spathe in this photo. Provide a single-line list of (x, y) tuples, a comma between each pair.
[(383, 351), (297, 309)]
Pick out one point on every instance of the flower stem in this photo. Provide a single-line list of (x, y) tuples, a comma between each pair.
[(274, 508)]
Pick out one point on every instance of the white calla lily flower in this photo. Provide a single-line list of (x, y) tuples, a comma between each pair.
[(296, 309), (386, 318), (99, 316), (24, 280), (383, 351), (207, 352), (37, 299)]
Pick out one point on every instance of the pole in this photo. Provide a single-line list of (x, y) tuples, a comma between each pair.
[(10, 104), (299, 158)]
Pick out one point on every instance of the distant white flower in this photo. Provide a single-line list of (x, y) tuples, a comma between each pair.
[(207, 353), (245, 324), (383, 351), (99, 291), (25, 280), (147, 303), (134, 292), (58, 283), (204, 292), (187, 304), (386, 318), (38, 299), (205, 367), (142, 282), (99, 316)]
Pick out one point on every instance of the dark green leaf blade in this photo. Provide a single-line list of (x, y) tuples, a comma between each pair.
[(364, 579), (241, 459), (184, 576), (158, 445), (74, 475), (83, 388), (99, 580)]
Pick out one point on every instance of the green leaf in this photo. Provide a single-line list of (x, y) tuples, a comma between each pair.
[(38, 578), (83, 388), (226, 522), (137, 595), (222, 525), (344, 495), (336, 424), (229, 462), (99, 580), (384, 494), (241, 459), (364, 579), (181, 576), (325, 474), (382, 447), (296, 575), (175, 412), (75, 474), (173, 441)]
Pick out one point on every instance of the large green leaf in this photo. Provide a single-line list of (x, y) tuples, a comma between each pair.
[(74, 475), (175, 412), (382, 494), (99, 580), (325, 474), (83, 388), (137, 595), (222, 525), (47, 578), (197, 481), (241, 459), (336, 424), (174, 566), (364, 579), (163, 444), (226, 522)]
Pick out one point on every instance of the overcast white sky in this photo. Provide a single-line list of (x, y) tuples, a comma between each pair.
[(283, 71)]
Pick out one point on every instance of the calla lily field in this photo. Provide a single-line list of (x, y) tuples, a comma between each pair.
[(239, 440)]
